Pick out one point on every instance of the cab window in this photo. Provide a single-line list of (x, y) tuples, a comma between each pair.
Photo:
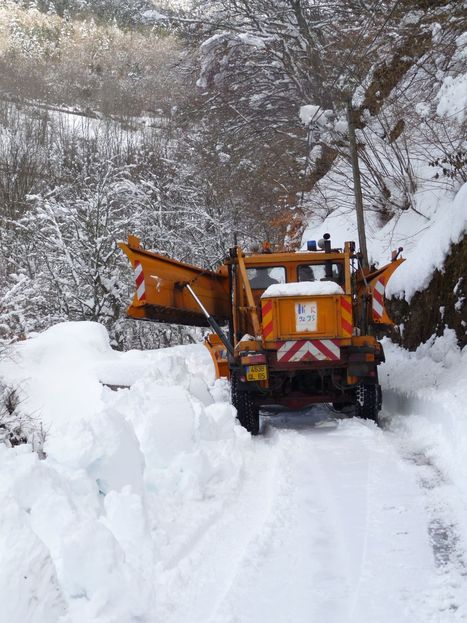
[(262, 278), (317, 272)]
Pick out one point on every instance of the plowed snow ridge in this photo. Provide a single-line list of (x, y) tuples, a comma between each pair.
[(153, 505)]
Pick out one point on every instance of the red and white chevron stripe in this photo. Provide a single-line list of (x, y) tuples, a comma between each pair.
[(378, 299), (139, 279), (308, 350)]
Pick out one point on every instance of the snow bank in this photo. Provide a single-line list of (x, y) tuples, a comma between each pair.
[(426, 235), (425, 397), (84, 531), (452, 93), (447, 225), (452, 96), (303, 288), (56, 375)]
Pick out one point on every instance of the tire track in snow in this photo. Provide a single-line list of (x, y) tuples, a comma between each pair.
[(280, 569), (444, 533), (403, 421), (449, 553), (267, 535), (346, 522), (191, 589), (375, 520)]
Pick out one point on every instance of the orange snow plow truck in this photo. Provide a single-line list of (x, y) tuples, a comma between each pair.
[(289, 329)]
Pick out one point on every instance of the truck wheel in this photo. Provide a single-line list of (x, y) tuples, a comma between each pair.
[(368, 402), (247, 410)]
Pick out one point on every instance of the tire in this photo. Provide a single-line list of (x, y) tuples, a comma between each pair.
[(247, 410), (368, 402)]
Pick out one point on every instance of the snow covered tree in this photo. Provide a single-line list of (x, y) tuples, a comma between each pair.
[(263, 60), (65, 261)]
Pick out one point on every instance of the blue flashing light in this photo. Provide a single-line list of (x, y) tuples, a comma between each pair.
[(311, 245)]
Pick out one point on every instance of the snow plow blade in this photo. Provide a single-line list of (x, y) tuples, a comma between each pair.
[(160, 293), (374, 283)]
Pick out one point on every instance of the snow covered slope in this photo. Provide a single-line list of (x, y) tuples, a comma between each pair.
[(154, 505), (412, 145), (426, 235)]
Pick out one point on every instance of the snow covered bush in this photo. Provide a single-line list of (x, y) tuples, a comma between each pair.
[(11, 430), (66, 258), (16, 427)]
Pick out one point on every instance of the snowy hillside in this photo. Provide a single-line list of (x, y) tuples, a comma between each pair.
[(426, 235), (152, 504)]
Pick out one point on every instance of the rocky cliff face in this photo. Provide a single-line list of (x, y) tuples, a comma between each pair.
[(442, 304)]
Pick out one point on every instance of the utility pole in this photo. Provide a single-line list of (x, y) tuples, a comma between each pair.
[(357, 185)]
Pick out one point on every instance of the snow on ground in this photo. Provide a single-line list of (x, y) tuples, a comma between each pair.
[(425, 401), (430, 386), (423, 207), (154, 505)]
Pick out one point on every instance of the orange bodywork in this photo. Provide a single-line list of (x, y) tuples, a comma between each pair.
[(282, 318), (218, 354)]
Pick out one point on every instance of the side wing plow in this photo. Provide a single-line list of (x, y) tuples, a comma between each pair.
[(373, 284), (161, 294)]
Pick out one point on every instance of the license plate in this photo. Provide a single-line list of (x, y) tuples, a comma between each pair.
[(257, 373)]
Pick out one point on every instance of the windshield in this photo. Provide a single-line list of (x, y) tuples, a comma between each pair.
[(317, 272), (262, 278)]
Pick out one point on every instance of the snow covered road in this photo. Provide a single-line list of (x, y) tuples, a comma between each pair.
[(154, 506), (329, 524)]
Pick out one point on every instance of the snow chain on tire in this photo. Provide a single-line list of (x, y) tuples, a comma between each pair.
[(368, 401), (247, 410)]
